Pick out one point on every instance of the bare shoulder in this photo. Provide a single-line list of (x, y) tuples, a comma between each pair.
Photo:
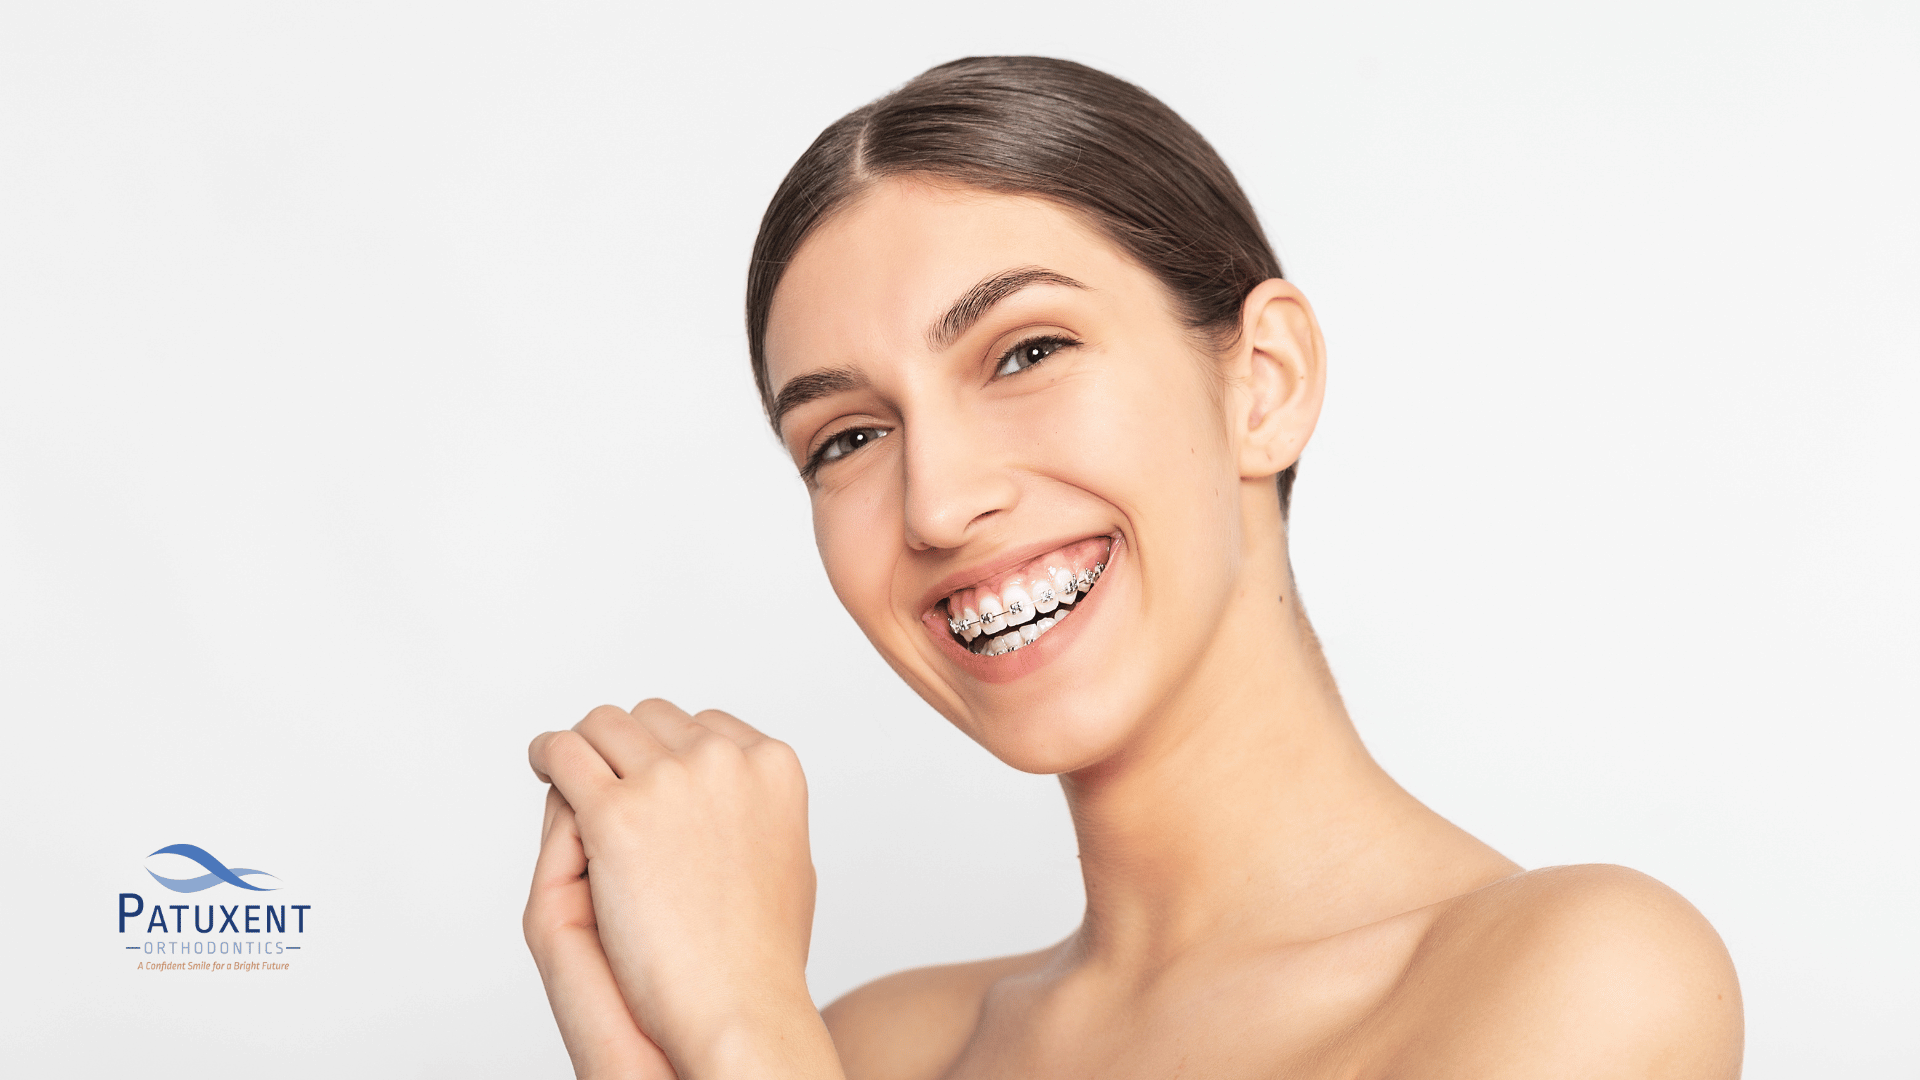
[(912, 1025), (1595, 970)]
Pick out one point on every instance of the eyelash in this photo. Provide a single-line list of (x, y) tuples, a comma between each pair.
[(819, 456), (1051, 343)]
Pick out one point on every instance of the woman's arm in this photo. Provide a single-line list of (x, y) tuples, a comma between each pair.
[(693, 834)]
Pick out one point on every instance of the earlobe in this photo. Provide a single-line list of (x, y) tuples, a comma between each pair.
[(1281, 373)]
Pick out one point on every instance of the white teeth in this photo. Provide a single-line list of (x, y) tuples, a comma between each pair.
[(1019, 637), (1063, 588), (1045, 598), (968, 621), (1019, 605), (993, 624), (993, 617)]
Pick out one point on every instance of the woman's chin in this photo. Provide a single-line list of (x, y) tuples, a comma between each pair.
[(1065, 725), (1049, 745)]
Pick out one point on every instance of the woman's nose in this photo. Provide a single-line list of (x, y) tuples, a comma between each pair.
[(955, 482)]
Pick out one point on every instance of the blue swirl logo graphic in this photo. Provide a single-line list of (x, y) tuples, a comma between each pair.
[(217, 871)]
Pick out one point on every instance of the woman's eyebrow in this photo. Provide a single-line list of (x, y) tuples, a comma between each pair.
[(975, 303), (813, 385), (960, 316)]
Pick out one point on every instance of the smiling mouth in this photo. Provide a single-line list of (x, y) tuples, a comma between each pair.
[(1014, 609)]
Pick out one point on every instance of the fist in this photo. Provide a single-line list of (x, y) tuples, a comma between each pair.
[(694, 832)]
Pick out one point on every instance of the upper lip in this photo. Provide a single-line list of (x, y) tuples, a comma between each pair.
[(999, 564)]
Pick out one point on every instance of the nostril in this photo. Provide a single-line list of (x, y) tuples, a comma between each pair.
[(950, 494), (933, 533)]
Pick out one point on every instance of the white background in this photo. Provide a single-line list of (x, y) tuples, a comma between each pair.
[(373, 396)]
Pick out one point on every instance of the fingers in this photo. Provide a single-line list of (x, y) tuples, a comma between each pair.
[(562, 863), (567, 761), (742, 734), (628, 740), (614, 742), (600, 1034), (619, 740), (555, 801), (668, 723), (598, 1029)]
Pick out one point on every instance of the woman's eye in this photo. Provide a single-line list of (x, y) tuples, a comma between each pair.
[(1028, 353), (846, 443)]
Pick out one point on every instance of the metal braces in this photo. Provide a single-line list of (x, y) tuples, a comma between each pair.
[(1045, 594)]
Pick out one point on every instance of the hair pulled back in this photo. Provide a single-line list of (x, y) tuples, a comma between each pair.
[(1037, 126)]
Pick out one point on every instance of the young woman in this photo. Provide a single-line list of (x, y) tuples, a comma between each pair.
[(1037, 366)]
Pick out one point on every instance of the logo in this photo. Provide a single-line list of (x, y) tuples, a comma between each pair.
[(259, 932), (217, 871)]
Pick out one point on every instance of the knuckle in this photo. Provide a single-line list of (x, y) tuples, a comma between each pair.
[(774, 754), (542, 928), (710, 749), (568, 750), (601, 716), (779, 767), (537, 924)]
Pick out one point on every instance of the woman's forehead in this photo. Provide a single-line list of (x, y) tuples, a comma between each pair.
[(876, 273)]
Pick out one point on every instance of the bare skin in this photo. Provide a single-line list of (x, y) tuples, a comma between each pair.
[(1262, 899)]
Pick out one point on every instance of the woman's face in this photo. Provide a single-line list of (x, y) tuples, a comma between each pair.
[(993, 404)]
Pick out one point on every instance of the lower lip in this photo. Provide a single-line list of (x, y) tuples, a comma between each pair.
[(1009, 666)]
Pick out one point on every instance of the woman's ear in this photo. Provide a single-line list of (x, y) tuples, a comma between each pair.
[(1277, 377)]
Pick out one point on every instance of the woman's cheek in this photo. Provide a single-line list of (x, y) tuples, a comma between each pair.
[(1145, 424), (859, 545)]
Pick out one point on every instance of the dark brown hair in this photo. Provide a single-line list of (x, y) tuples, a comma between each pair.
[(1032, 125)]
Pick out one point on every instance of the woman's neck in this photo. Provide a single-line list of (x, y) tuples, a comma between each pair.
[(1249, 809)]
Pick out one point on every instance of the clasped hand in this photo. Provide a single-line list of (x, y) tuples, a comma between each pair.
[(672, 902)]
